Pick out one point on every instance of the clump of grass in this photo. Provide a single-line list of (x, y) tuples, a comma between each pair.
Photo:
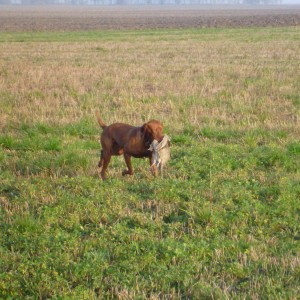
[(268, 157), (7, 142), (294, 148), (220, 135)]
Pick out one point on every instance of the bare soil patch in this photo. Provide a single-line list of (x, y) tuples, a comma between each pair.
[(66, 18)]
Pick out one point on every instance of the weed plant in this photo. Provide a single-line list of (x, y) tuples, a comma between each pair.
[(222, 222)]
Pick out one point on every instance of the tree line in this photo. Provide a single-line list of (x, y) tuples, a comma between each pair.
[(139, 2)]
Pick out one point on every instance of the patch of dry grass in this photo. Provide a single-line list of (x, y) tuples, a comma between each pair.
[(238, 84)]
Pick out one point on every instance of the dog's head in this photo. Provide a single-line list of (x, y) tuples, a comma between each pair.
[(152, 130)]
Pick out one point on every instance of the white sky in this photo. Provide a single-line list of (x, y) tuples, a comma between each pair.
[(291, 1)]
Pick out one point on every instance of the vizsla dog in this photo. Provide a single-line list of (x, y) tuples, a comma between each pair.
[(119, 138)]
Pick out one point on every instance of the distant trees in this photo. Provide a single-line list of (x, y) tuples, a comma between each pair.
[(137, 2)]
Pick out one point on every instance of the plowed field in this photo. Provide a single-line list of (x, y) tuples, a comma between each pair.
[(61, 18)]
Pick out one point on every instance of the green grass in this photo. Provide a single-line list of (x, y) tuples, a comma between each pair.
[(223, 218), (222, 222), (206, 34)]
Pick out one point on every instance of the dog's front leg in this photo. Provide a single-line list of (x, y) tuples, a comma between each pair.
[(127, 158), (153, 166)]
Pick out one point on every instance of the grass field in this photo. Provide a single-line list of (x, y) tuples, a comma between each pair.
[(223, 220)]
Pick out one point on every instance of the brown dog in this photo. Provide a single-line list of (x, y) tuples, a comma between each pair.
[(119, 138)]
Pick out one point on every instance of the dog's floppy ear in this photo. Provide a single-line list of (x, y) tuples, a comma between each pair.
[(145, 129), (146, 134)]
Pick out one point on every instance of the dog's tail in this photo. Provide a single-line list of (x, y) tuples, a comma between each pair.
[(100, 122)]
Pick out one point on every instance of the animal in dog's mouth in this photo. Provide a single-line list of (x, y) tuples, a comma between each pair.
[(161, 153)]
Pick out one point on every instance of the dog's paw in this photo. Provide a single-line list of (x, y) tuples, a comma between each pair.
[(127, 172)]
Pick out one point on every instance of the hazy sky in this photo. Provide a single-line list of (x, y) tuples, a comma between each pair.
[(291, 1)]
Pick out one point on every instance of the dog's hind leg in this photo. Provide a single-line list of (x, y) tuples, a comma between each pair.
[(100, 163), (105, 163)]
